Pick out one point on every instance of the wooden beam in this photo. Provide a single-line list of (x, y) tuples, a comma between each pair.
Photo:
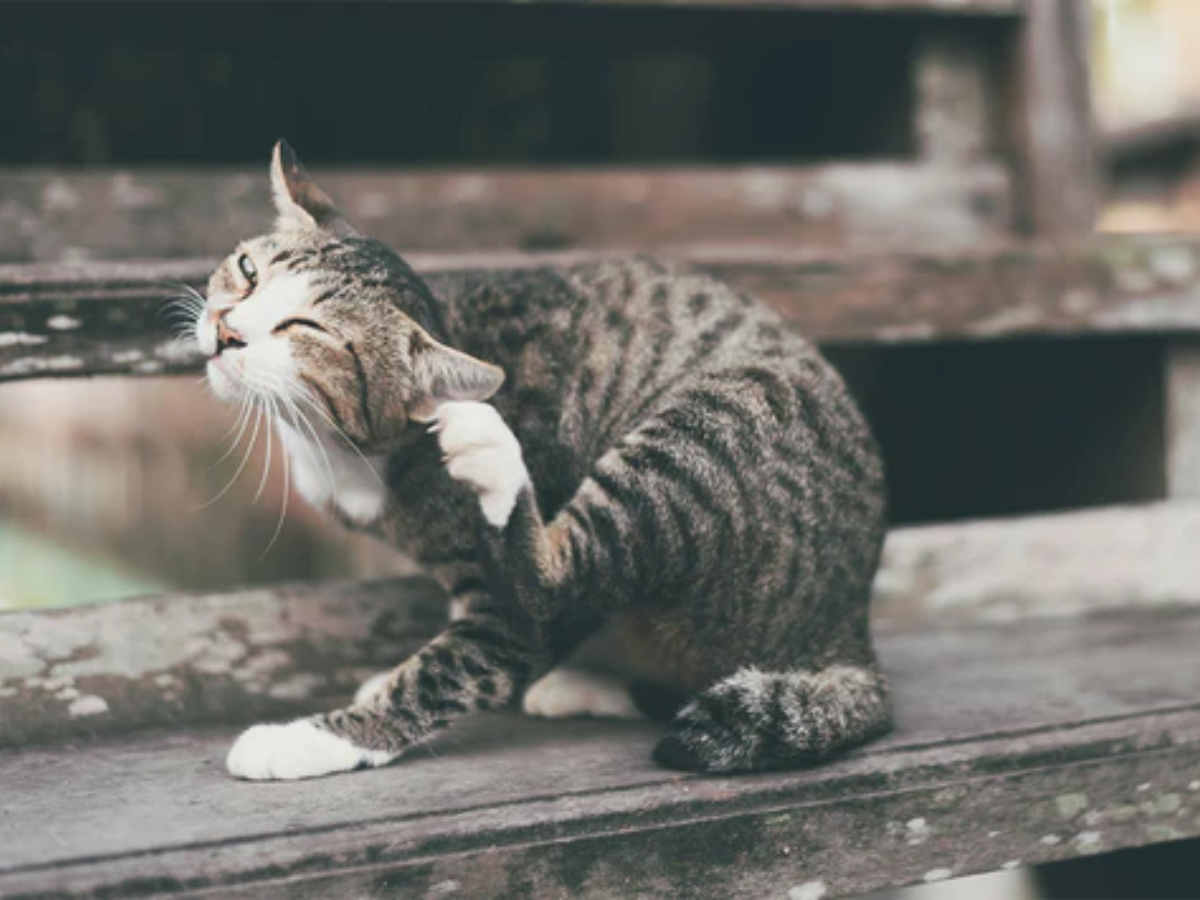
[(273, 651), (1052, 128), (60, 216), (1182, 371), (104, 318)]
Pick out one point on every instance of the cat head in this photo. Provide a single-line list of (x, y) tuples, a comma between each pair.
[(314, 317)]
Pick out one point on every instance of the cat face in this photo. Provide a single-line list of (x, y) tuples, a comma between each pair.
[(313, 318)]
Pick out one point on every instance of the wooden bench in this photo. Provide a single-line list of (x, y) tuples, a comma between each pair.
[(1048, 697)]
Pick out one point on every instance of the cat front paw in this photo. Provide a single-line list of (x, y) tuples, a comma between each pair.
[(297, 750), (483, 453)]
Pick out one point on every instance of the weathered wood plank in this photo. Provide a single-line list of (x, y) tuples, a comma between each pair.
[(273, 651), (1090, 744), (103, 318), (1051, 120), (1182, 373), (1061, 564), (53, 216)]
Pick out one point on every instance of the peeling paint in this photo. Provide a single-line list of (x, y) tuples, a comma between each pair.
[(937, 875), (88, 705), (34, 364), (1164, 833), (1051, 840), (1008, 320), (810, 890), (21, 339), (1165, 805), (299, 686), (1011, 864), (63, 323), (1070, 805), (918, 831)]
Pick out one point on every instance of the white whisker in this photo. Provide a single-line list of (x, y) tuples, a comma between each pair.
[(287, 489), (305, 396), (330, 479), (245, 459), (242, 420), (262, 484)]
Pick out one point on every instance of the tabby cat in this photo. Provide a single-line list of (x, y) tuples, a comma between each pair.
[(625, 451)]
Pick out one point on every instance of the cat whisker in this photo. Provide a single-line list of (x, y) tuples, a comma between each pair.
[(277, 387), (245, 460), (304, 395), (262, 484), (287, 489), (302, 419), (240, 424)]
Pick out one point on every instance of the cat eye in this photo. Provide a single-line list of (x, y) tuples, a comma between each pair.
[(248, 269), (297, 323)]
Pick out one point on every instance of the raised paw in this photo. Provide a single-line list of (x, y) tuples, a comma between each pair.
[(483, 453), (572, 693), (297, 750)]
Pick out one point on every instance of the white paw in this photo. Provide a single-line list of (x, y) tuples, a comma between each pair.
[(482, 452), (570, 693), (371, 688), (296, 750)]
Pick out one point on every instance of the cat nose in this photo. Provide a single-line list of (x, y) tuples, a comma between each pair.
[(227, 338)]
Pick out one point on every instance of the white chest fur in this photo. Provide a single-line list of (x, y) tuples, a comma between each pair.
[(328, 473)]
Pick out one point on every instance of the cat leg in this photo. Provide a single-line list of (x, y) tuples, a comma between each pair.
[(478, 663), (756, 721), (547, 568), (467, 591), (568, 692)]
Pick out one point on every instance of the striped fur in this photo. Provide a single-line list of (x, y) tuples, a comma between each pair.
[(700, 487)]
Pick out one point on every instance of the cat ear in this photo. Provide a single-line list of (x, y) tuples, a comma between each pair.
[(298, 199), (441, 373)]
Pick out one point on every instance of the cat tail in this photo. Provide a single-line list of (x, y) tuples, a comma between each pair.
[(756, 721)]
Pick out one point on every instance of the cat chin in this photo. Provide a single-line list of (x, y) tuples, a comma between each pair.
[(221, 383)]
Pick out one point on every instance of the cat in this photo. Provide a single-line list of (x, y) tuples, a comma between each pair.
[(623, 449)]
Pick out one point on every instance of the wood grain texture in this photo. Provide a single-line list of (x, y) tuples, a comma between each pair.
[(104, 318), (275, 651), (1091, 743), (1051, 121), (57, 216)]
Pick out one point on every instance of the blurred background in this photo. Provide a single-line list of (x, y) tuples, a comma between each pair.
[(100, 479)]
